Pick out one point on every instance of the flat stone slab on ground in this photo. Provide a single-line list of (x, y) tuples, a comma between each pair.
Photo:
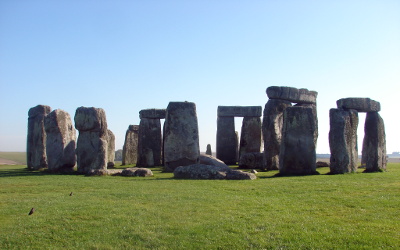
[(292, 94), (207, 172), (240, 111), (359, 104)]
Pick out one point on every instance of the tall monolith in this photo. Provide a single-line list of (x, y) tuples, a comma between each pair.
[(36, 138), (250, 137), (110, 149), (149, 143), (130, 148), (60, 142), (208, 150), (92, 145), (374, 145), (227, 143), (181, 139)]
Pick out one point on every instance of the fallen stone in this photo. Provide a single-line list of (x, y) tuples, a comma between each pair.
[(207, 172), (251, 161), (36, 138), (374, 145), (240, 175), (272, 131), (60, 142), (212, 161), (359, 104), (181, 131), (152, 113), (140, 172), (239, 111), (130, 148), (292, 94), (343, 141)]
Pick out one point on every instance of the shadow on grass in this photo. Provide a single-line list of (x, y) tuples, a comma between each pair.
[(19, 172)]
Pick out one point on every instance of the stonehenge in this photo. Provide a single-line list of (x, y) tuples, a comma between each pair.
[(227, 141), (208, 150), (150, 137), (92, 145), (110, 149), (181, 135), (343, 136), (60, 142), (36, 138), (130, 148)]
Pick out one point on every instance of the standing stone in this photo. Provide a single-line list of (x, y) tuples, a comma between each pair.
[(36, 138), (130, 148), (111, 149), (374, 145), (314, 110), (149, 143), (297, 155), (181, 143), (251, 161), (343, 141), (272, 131), (92, 143), (227, 143), (250, 138), (60, 142), (208, 151)]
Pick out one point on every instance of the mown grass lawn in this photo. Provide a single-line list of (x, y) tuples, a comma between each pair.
[(351, 211)]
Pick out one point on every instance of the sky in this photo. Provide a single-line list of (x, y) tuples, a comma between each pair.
[(125, 56)]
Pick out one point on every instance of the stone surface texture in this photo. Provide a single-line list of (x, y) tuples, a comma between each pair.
[(343, 141), (92, 143), (181, 142), (60, 142), (272, 131), (201, 171), (130, 148), (110, 149), (359, 104), (250, 138), (140, 172), (252, 161), (239, 111), (210, 160), (208, 150), (297, 154), (152, 113), (227, 143), (292, 94), (374, 145), (36, 138), (149, 143)]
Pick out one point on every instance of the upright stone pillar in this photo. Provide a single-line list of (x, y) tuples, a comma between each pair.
[(36, 139), (374, 145), (343, 141), (227, 143), (297, 155), (272, 131), (60, 142), (250, 138), (181, 141), (130, 148), (149, 143), (110, 149), (92, 143), (208, 151)]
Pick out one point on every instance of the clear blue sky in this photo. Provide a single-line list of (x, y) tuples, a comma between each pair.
[(125, 56)]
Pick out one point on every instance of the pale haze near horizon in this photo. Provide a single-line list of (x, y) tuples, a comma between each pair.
[(125, 56)]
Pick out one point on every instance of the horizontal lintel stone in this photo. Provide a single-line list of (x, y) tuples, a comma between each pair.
[(359, 104), (292, 94), (152, 113), (240, 111)]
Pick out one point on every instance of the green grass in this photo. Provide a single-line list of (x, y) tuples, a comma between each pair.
[(19, 157), (351, 211)]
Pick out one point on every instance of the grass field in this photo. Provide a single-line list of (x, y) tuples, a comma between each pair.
[(18, 157), (351, 211)]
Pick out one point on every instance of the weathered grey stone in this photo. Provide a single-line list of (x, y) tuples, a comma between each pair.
[(272, 131), (297, 155), (359, 104), (314, 109), (140, 172), (152, 113), (210, 160), (343, 141), (252, 160), (149, 143), (36, 138), (292, 94), (181, 142), (239, 111), (208, 172), (130, 148), (60, 142), (92, 143), (322, 164), (374, 145), (227, 143), (110, 149), (208, 151), (250, 138)]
